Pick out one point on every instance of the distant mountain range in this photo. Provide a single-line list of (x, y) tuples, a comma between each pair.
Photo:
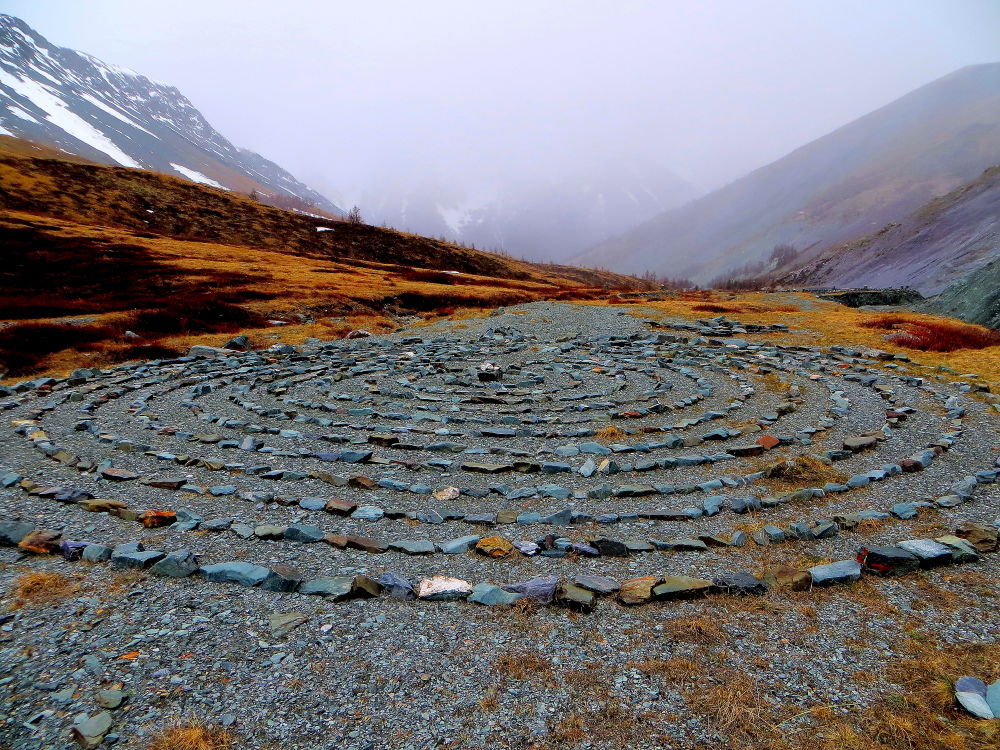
[(848, 184), (548, 217), (112, 115)]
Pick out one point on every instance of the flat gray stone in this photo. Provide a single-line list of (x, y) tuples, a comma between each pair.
[(598, 584), (336, 587), (304, 533), (178, 564), (137, 560), (931, 553), (490, 595), (975, 704), (843, 571), (458, 546), (243, 573), (96, 553), (413, 546), (12, 532)]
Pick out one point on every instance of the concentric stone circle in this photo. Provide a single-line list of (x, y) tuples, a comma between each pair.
[(507, 461)]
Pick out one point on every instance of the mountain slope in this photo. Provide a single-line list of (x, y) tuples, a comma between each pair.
[(944, 241), (108, 114), (847, 184), (975, 299), (102, 264), (550, 217)]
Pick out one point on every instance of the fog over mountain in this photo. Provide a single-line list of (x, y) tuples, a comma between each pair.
[(550, 215), (503, 117)]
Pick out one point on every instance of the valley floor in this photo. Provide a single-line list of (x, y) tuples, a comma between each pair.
[(868, 664)]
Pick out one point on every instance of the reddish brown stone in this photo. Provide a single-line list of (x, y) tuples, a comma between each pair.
[(637, 590), (979, 535), (366, 544), (340, 507), (102, 505), (41, 542), (768, 441), (166, 483), (154, 519), (494, 546), (365, 483)]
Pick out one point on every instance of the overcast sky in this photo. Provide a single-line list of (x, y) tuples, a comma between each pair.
[(347, 94)]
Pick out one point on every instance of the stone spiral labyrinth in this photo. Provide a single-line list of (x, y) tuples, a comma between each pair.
[(519, 458)]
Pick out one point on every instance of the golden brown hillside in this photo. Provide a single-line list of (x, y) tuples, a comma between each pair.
[(92, 252)]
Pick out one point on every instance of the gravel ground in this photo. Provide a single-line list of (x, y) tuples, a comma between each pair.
[(391, 673)]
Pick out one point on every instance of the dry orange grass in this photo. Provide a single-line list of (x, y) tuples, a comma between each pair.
[(773, 382), (737, 709), (694, 629), (800, 471), (40, 588), (523, 666), (192, 734), (923, 714), (266, 283), (610, 434), (676, 669)]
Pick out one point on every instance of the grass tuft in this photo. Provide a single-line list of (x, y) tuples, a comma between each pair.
[(192, 734), (41, 588), (610, 434)]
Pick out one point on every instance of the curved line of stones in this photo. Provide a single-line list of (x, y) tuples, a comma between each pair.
[(710, 507), (342, 438), (580, 594), (779, 364), (801, 531), (451, 417), (555, 468), (86, 465), (513, 494), (817, 529), (992, 476)]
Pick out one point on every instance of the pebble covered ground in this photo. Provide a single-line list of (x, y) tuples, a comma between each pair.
[(558, 526)]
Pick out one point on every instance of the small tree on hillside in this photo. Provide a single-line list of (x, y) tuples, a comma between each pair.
[(354, 216)]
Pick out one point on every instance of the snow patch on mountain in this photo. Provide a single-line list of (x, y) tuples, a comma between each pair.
[(58, 113), (107, 113), (196, 176)]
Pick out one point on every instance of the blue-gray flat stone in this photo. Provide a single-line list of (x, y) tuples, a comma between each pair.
[(844, 571), (458, 546), (975, 704), (243, 573), (413, 546), (139, 560), (305, 533), (178, 564), (491, 595), (337, 587), (993, 698)]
